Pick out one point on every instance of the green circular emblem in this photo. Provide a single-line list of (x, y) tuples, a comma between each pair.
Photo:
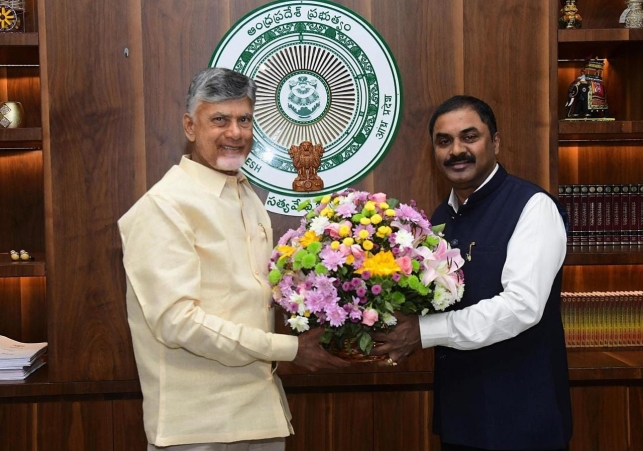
[(324, 75)]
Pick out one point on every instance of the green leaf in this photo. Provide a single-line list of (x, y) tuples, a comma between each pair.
[(303, 205), (326, 337), (392, 202), (437, 229), (365, 343)]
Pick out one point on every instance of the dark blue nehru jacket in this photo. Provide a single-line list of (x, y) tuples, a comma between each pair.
[(513, 394)]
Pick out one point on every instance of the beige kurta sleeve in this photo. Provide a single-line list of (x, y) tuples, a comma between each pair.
[(163, 268)]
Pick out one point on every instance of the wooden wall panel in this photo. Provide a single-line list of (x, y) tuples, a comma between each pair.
[(331, 422), (75, 426), (403, 420), (600, 416), (93, 97), (18, 427), (129, 434), (23, 309), (636, 418)]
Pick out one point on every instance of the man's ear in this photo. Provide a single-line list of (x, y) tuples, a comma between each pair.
[(188, 127), (496, 143)]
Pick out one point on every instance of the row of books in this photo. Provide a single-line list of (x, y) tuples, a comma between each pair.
[(603, 319), (604, 214), (18, 360)]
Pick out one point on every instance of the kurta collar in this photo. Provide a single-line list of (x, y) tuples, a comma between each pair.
[(208, 178)]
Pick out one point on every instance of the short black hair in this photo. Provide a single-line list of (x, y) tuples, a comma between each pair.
[(466, 102)]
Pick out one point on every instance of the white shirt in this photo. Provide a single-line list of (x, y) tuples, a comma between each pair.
[(535, 254)]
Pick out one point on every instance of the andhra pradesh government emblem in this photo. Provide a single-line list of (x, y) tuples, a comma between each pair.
[(328, 97)]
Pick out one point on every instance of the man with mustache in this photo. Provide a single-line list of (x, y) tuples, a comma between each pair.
[(501, 375), (196, 248)]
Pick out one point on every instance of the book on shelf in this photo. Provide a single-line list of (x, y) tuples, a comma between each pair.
[(608, 214), (18, 360), (603, 319)]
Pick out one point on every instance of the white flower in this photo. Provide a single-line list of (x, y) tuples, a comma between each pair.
[(404, 239), (318, 224), (442, 298), (389, 319), (299, 323), (348, 199), (298, 299)]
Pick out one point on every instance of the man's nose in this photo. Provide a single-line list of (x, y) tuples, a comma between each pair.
[(458, 147), (233, 130)]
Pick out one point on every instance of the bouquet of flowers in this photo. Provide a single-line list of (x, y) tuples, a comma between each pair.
[(355, 260)]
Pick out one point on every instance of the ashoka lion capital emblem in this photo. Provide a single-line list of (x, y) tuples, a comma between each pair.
[(306, 158), (303, 98)]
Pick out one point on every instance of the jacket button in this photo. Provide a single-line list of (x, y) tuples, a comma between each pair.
[(454, 243)]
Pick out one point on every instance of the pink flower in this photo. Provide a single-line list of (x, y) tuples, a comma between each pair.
[(405, 264), (438, 265), (379, 197), (369, 317)]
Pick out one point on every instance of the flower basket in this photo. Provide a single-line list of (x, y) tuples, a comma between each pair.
[(357, 259)]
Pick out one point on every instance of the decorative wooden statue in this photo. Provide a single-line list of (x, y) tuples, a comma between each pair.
[(587, 97), (306, 158), (570, 17)]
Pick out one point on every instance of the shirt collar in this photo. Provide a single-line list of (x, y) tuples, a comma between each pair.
[(453, 199), (207, 177)]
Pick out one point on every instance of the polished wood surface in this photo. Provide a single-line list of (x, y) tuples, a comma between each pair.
[(93, 102), (111, 129)]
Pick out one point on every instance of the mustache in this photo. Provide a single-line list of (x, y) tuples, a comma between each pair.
[(464, 158)]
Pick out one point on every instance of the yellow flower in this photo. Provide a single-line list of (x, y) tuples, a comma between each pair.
[(327, 212), (363, 234), (376, 219), (348, 241), (350, 259), (381, 264), (344, 230), (285, 251), (390, 212), (370, 205), (307, 313), (334, 245), (384, 231), (308, 238), (365, 221), (383, 205), (367, 245), (325, 199)]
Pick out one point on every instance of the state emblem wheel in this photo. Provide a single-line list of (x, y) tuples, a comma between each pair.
[(8, 18), (323, 75)]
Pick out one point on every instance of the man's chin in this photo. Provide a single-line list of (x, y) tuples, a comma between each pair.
[(229, 164)]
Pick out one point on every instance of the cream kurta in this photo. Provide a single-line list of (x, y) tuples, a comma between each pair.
[(196, 250)]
